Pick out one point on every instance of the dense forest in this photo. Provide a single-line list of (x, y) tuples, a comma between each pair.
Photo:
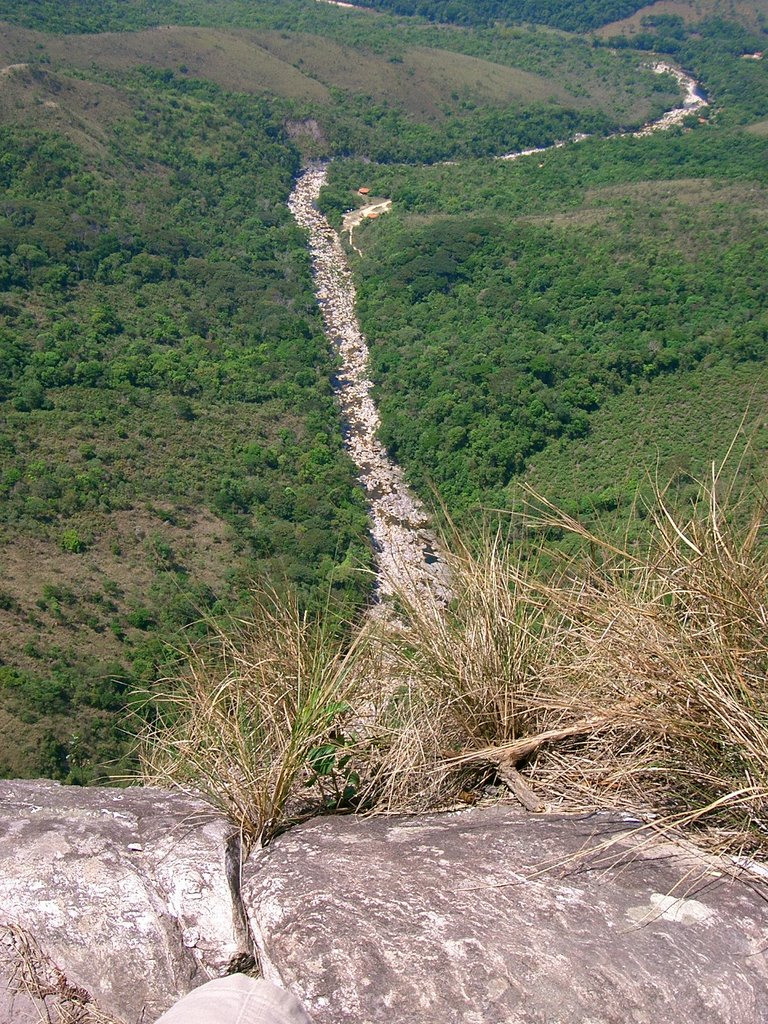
[(168, 430), (169, 433), (493, 335), (570, 15)]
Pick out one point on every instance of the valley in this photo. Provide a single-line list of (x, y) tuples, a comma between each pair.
[(406, 552), (170, 435)]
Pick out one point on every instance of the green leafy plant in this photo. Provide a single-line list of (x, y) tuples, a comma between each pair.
[(331, 769)]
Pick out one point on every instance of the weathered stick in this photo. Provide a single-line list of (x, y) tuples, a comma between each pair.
[(507, 757), (513, 753), (519, 788)]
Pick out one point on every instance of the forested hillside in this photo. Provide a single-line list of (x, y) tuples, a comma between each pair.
[(168, 431), (168, 428), (571, 15), (349, 82), (169, 434), (517, 310), (513, 302)]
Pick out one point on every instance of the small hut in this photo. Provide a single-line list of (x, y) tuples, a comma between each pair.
[(363, 191)]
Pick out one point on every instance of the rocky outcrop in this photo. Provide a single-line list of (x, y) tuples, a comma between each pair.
[(128, 891), (117, 902), (492, 915)]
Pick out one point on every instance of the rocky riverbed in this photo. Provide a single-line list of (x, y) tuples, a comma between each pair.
[(693, 101), (406, 550)]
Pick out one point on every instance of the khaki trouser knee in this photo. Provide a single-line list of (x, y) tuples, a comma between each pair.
[(236, 1000)]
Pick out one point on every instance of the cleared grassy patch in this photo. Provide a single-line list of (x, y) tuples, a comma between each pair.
[(426, 82), (691, 11), (82, 111), (667, 427)]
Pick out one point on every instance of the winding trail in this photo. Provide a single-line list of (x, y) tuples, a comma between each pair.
[(407, 553), (406, 550), (354, 218)]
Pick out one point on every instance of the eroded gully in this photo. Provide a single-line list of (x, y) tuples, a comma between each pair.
[(407, 554)]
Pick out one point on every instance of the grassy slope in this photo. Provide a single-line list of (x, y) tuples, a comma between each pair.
[(671, 427), (423, 70), (85, 112), (744, 12)]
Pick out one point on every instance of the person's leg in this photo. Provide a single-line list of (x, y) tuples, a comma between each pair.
[(237, 999)]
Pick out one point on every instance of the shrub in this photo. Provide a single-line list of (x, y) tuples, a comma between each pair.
[(72, 541)]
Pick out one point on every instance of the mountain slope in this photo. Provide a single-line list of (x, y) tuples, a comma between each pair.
[(168, 428)]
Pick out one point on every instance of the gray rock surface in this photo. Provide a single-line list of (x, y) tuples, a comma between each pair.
[(492, 915), (126, 890)]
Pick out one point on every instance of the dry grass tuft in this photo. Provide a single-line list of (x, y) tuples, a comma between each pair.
[(624, 678), (469, 676), (254, 713), (31, 972), (669, 649), (618, 678)]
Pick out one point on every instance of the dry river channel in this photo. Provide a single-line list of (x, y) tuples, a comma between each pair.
[(405, 547), (407, 554)]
